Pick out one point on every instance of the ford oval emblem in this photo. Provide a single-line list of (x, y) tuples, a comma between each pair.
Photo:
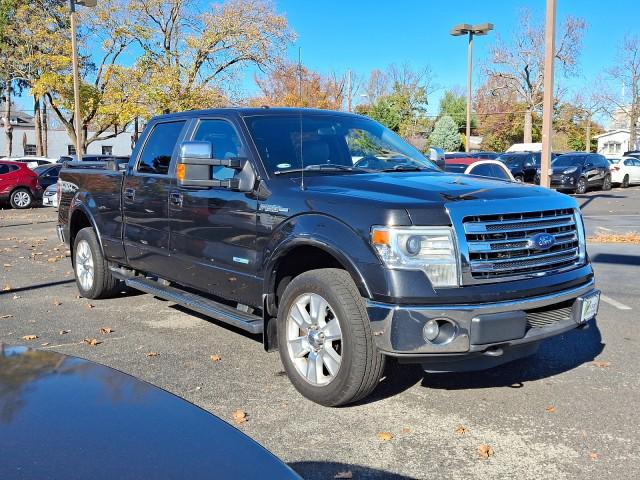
[(542, 241)]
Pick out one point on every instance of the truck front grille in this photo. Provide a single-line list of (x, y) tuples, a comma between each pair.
[(543, 317), (499, 245)]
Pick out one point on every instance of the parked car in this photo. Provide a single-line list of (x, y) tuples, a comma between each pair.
[(110, 425), (32, 161), (260, 217), (523, 165), (485, 155), (579, 171), (18, 184), (625, 171), (632, 153), (48, 174), (50, 196), (490, 169)]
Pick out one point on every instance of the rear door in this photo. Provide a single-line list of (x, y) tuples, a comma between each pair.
[(213, 229), (145, 200)]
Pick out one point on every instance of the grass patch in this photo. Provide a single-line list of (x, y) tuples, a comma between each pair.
[(603, 237)]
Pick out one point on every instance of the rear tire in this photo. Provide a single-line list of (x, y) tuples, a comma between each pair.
[(93, 278), (325, 339), (519, 178), (625, 182), (21, 198)]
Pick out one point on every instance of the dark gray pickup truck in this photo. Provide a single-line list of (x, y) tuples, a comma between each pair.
[(333, 238)]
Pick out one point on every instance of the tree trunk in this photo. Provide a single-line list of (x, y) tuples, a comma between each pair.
[(634, 142), (528, 126), (37, 121), (8, 128), (45, 130)]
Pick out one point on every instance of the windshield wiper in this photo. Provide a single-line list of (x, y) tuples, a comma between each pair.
[(327, 167)]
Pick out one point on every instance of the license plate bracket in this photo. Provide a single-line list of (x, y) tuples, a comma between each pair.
[(586, 307)]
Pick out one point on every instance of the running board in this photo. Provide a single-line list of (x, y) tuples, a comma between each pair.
[(224, 313)]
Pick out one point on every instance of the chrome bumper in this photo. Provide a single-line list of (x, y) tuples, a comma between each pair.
[(398, 330)]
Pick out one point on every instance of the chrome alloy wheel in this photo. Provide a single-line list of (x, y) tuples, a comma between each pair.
[(22, 199), (84, 265), (314, 339)]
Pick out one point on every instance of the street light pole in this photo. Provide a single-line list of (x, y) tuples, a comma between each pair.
[(76, 72), (547, 108), (470, 30)]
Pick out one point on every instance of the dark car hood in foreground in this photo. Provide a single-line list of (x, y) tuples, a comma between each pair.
[(63, 417)]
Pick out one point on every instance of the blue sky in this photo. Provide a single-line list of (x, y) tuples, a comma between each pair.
[(337, 35)]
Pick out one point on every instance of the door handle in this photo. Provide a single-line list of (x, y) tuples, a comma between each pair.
[(130, 194), (176, 198)]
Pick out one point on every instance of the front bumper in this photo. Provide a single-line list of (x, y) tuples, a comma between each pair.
[(497, 330), (562, 181)]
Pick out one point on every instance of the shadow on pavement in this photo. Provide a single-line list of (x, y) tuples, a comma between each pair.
[(36, 287), (323, 470), (590, 198), (616, 259)]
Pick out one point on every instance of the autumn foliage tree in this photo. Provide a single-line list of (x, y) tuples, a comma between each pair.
[(291, 85), (518, 66)]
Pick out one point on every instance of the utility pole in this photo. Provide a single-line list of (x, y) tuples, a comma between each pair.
[(587, 139), (76, 72), (547, 108), (470, 30), (349, 93)]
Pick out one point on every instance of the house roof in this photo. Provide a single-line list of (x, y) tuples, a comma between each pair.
[(612, 132)]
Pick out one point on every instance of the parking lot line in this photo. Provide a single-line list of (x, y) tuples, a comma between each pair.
[(615, 303)]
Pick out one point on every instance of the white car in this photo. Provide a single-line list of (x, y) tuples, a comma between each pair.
[(50, 196), (32, 161), (625, 171), (490, 169)]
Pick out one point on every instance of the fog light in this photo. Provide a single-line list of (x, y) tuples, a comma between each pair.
[(431, 330)]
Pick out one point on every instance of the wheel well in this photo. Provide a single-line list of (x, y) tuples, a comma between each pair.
[(79, 220)]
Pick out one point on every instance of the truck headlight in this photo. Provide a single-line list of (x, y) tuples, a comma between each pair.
[(570, 170), (430, 249)]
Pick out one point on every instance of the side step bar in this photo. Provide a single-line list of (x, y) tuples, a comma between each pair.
[(224, 313)]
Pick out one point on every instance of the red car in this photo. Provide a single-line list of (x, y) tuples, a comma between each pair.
[(18, 184)]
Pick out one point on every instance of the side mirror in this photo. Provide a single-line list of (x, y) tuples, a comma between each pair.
[(194, 168)]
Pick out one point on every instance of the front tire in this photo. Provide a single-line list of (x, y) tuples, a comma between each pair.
[(606, 183), (21, 198), (581, 187), (325, 339), (625, 182), (93, 278)]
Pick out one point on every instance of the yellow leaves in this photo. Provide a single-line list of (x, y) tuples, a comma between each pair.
[(601, 364), (239, 416), (215, 358), (593, 456), (92, 341), (384, 436), (90, 306), (152, 354), (461, 430), (550, 409), (7, 288), (485, 451), (106, 330), (29, 337), (57, 303)]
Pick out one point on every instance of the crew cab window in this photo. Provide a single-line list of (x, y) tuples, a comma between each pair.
[(224, 141), (158, 149)]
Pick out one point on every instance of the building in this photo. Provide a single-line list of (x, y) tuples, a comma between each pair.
[(614, 142), (58, 141)]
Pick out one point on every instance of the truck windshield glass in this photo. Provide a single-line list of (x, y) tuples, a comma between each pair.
[(333, 144)]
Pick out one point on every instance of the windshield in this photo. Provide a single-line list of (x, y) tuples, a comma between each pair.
[(331, 143), (567, 161), (41, 169), (510, 159)]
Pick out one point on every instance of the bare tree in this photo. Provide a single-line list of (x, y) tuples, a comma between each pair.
[(625, 75), (519, 65)]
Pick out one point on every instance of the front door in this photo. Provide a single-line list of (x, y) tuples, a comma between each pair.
[(213, 230), (145, 199)]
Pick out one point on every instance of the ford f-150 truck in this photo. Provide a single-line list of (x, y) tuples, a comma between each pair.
[(334, 239)]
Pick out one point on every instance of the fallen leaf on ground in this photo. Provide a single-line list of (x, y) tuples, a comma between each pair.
[(405, 430), (6, 316), (239, 417), (8, 265), (550, 409), (485, 451), (16, 297), (52, 260), (44, 344), (152, 354), (601, 364), (215, 358), (64, 332), (57, 303), (384, 436), (91, 341), (7, 287), (29, 337), (593, 456), (105, 330), (461, 430), (90, 306), (345, 474)]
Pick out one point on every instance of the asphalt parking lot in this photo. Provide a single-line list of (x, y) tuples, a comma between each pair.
[(570, 411)]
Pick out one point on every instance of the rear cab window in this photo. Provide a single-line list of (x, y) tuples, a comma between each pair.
[(159, 148)]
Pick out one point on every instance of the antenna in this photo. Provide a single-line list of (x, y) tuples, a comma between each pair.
[(300, 112)]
